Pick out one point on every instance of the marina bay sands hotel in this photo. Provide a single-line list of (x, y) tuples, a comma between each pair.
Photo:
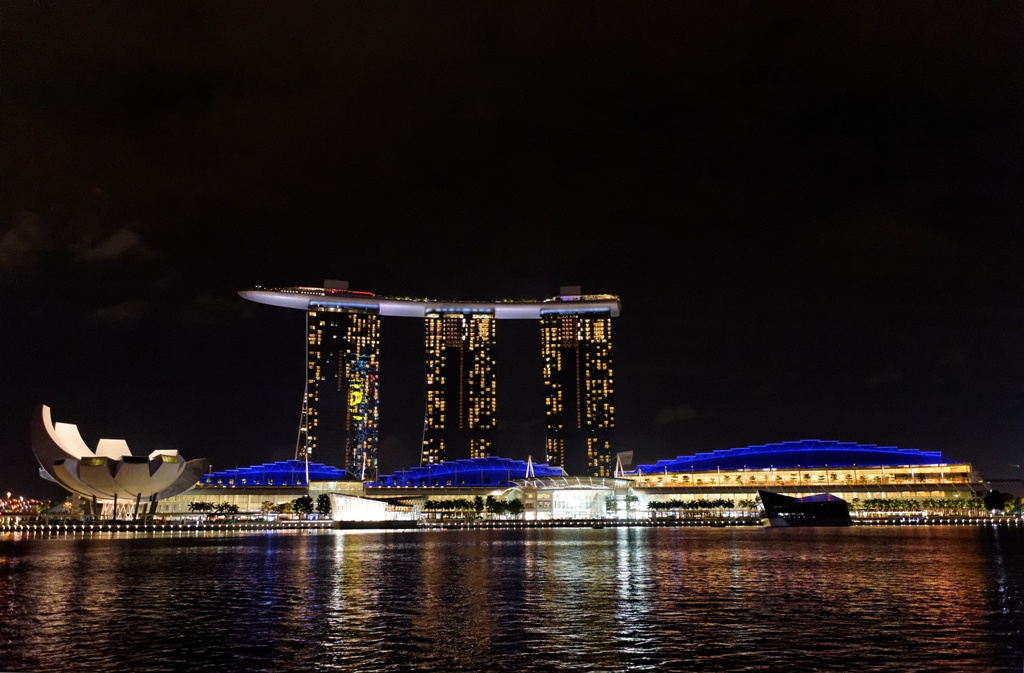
[(340, 404)]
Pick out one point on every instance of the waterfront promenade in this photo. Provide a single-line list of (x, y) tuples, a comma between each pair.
[(80, 528)]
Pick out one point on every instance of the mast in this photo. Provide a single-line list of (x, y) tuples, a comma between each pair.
[(426, 411), (300, 442)]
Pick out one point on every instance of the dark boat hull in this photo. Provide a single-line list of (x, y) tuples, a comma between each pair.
[(824, 509), (374, 525)]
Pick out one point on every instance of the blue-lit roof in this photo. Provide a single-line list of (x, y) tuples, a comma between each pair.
[(281, 473), (490, 471), (802, 453)]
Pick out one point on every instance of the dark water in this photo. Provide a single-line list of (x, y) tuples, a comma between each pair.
[(616, 599)]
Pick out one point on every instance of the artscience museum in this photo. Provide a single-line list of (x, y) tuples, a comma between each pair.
[(110, 481)]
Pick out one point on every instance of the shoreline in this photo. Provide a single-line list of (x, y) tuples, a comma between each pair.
[(79, 528)]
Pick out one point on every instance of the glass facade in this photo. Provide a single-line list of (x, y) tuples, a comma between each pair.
[(579, 396), (340, 410), (461, 389)]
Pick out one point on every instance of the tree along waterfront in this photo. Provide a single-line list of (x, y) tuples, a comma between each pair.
[(944, 506), (470, 509), (302, 506), (702, 504)]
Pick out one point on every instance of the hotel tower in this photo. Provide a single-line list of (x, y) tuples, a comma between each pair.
[(340, 407), (579, 399), (461, 393)]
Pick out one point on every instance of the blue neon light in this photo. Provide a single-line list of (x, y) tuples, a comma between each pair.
[(490, 471), (810, 453), (281, 473)]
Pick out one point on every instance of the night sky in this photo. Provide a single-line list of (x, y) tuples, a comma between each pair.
[(812, 213)]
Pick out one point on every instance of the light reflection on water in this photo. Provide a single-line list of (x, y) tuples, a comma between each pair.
[(866, 599)]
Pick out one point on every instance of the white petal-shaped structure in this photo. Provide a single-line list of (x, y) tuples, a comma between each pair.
[(111, 472), (113, 448)]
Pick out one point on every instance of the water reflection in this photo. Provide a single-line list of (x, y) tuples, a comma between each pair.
[(930, 598)]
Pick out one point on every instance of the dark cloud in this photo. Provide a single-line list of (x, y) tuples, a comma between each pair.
[(23, 242), (680, 414), (210, 311), (120, 245), (885, 378), (53, 244), (129, 311)]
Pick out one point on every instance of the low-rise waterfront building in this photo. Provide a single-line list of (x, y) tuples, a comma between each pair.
[(260, 489), (725, 483), (857, 473)]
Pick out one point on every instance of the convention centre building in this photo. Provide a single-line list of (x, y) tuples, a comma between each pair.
[(729, 479)]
